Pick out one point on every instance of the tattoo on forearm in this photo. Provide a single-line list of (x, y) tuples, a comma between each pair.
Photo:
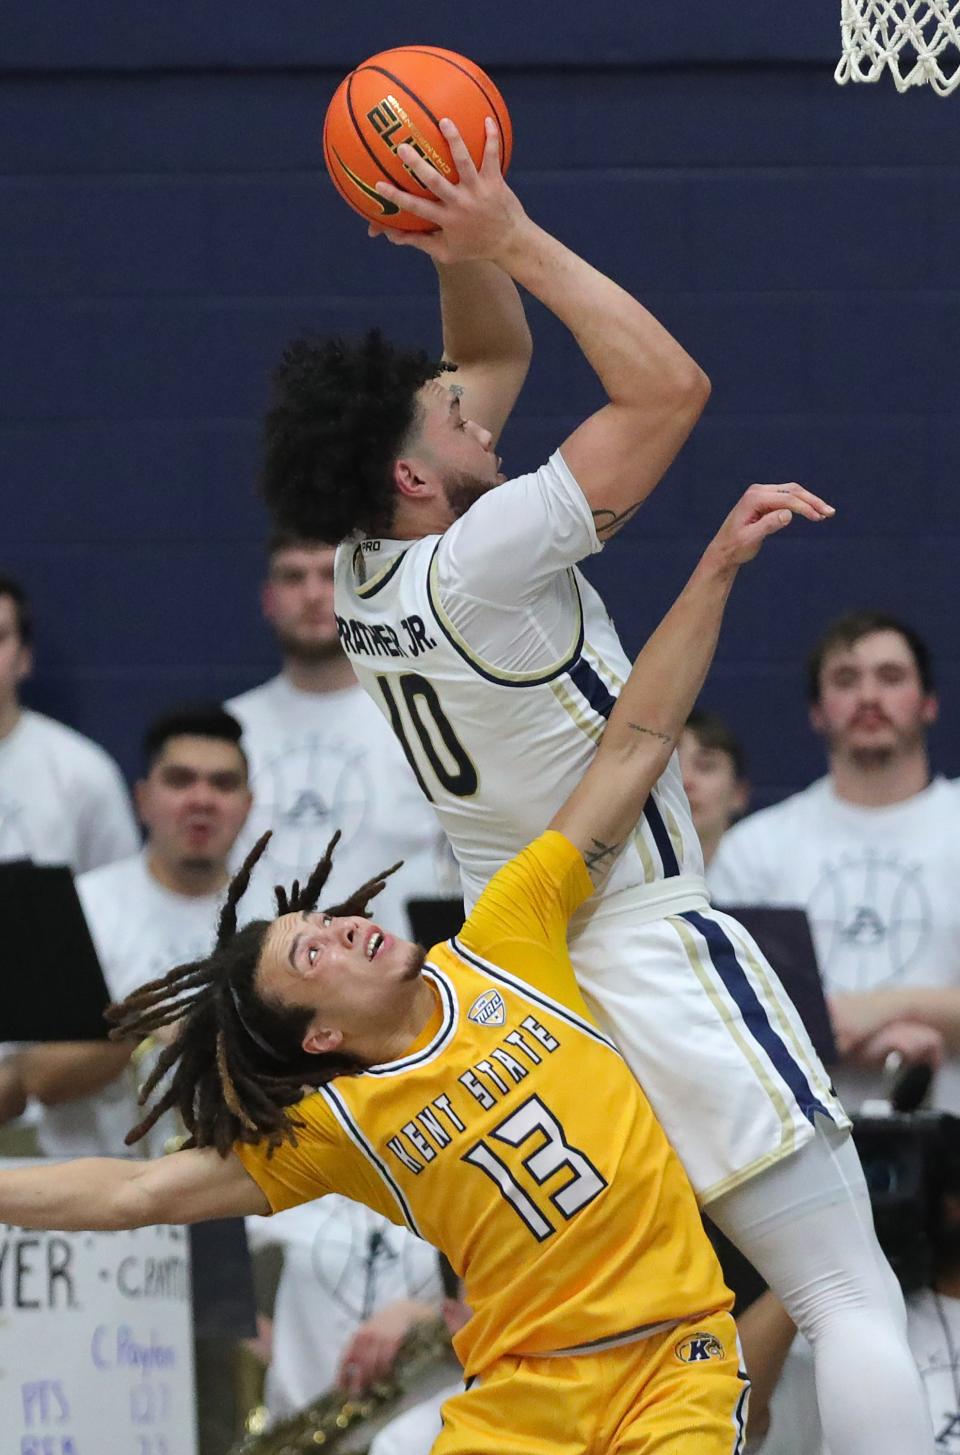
[(600, 855), (650, 732), (608, 521)]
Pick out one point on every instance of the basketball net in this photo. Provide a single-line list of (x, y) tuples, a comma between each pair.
[(917, 40)]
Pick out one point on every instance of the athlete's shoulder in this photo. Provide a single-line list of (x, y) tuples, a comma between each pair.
[(535, 892), (510, 525), (300, 1170)]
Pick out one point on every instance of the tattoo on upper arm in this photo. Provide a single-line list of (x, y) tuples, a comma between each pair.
[(608, 521), (599, 858), (650, 732)]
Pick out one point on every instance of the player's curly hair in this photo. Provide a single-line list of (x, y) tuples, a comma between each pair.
[(239, 1056), (339, 418)]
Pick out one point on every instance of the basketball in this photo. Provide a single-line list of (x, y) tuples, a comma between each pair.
[(401, 96)]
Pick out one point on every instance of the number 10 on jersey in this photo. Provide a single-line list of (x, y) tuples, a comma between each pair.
[(417, 705)]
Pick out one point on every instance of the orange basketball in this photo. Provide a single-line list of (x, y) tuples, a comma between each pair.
[(401, 96)]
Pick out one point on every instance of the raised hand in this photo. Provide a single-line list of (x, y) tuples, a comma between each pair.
[(760, 512), (474, 218)]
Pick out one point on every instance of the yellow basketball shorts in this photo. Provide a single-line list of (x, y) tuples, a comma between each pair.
[(680, 1393)]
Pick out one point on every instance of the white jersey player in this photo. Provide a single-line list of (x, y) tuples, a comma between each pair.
[(463, 612), (498, 684)]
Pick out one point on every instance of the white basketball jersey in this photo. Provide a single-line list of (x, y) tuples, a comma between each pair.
[(498, 680), (497, 666)]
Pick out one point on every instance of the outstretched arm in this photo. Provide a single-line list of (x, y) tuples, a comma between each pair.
[(655, 390), (108, 1193), (666, 678)]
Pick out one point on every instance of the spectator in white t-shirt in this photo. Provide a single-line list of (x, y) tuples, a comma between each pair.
[(146, 913), (352, 1286), (714, 769), (321, 757), (872, 852), (62, 798)]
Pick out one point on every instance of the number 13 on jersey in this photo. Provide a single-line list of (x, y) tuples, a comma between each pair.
[(552, 1154)]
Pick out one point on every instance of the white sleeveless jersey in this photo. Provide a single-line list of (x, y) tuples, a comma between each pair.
[(497, 666), (499, 688)]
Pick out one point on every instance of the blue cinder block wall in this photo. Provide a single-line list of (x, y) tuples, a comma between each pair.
[(167, 225)]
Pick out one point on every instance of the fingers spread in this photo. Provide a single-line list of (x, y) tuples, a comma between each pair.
[(461, 157), (424, 171), (491, 147), (419, 206)]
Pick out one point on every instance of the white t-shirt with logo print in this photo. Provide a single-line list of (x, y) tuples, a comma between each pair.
[(62, 798), (140, 930), (881, 888), (321, 761)]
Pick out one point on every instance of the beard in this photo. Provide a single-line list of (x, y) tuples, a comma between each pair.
[(872, 760), (869, 759), (418, 958), (311, 651), (462, 490)]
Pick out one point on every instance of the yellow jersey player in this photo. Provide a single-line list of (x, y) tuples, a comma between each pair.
[(468, 1094)]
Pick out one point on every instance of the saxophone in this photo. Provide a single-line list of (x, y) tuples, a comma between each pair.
[(322, 1424)]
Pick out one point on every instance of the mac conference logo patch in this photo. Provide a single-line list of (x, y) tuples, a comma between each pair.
[(489, 1009), (699, 1347)]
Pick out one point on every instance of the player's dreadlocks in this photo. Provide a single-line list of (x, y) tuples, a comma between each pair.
[(239, 1057), (339, 417)]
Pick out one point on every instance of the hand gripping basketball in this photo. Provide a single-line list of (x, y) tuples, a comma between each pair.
[(474, 218)]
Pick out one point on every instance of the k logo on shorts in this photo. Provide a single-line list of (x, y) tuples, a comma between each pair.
[(699, 1347)]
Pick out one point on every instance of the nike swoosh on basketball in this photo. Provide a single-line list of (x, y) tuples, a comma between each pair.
[(389, 208)]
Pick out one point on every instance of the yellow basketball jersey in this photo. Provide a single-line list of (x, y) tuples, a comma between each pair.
[(513, 1137)]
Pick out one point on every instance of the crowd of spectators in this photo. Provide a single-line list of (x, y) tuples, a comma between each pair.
[(302, 755), (870, 851)]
